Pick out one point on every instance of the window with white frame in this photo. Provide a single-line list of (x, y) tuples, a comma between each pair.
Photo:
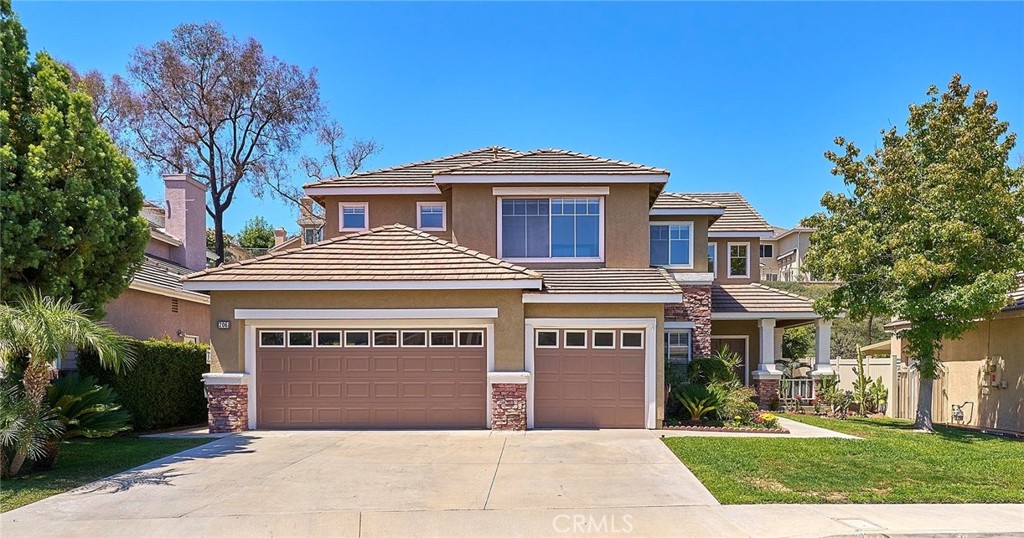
[(672, 244), (471, 338), (631, 339), (604, 340), (300, 338), (547, 338), (550, 228), (271, 338), (353, 216), (677, 350), (430, 216), (712, 257), (575, 340), (739, 260), (328, 339)]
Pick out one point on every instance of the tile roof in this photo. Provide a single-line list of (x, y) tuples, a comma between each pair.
[(160, 234), (678, 200), (757, 298), (388, 253), (552, 162), (1017, 295), (604, 280), (163, 274), (739, 215), (417, 174)]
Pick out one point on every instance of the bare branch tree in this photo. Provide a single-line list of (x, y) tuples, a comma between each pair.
[(220, 108)]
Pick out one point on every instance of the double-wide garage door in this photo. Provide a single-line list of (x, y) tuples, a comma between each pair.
[(371, 378), (589, 378)]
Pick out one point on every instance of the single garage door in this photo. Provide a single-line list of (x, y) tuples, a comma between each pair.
[(589, 378), (371, 378)]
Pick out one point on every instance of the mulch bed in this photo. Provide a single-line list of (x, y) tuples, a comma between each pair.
[(729, 429)]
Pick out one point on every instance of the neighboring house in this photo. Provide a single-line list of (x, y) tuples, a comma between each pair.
[(156, 305), (782, 255), (495, 289), (982, 373), (311, 224)]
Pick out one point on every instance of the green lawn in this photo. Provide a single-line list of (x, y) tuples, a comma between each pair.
[(84, 460), (891, 464)]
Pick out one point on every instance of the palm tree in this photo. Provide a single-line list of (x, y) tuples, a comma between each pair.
[(41, 329)]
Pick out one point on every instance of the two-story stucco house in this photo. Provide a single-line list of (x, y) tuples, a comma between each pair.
[(494, 289)]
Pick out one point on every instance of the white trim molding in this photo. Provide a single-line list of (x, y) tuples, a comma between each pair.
[(365, 313), (326, 190), (363, 285), (649, 326), (192, 296), (518, 378), (586, 298), (496, 179), (693, 279), (550, 191), (680, 325), (670, 212)]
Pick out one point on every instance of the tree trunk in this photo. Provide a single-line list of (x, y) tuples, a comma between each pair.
[(50, 451), (218, 234), (37, 378), (923, 417)]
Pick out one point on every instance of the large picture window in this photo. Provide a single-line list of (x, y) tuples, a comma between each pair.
[(672, 245), (551, 228)]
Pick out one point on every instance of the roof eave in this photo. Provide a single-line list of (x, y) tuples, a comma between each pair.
[(506, 178), (199, 284)]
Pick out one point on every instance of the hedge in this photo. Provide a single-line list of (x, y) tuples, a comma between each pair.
[(164, 389)]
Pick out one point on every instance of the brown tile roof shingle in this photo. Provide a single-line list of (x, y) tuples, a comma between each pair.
[(604, 280), (389, 253), (739, 215), (757, 298), (552, 162), (676, 200), (417, 174)]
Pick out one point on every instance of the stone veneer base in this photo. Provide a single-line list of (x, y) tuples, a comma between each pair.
[(228, 408), (508, 406)]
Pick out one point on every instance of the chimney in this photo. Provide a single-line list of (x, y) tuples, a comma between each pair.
[(279, 236), (185, 219), (153, 213)]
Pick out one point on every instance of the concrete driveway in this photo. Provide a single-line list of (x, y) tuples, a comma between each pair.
[(378, 483)]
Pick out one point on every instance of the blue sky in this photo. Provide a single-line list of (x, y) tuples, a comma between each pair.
[(729, 97)]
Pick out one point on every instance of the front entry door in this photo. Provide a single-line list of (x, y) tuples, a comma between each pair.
[(734, 345)]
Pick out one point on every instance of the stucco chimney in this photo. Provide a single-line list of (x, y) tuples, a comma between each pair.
[(185, 219), (279, 236)]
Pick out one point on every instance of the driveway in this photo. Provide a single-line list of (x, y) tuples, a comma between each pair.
[(378, 483)]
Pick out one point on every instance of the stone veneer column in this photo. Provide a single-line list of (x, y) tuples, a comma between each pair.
[(227, 398), (696, 308), (508, 400)]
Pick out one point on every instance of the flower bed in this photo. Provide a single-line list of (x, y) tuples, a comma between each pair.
[(722, 428)]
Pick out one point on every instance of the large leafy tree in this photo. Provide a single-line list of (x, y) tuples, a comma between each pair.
[(68, 197), (932, 228), (257, 233)]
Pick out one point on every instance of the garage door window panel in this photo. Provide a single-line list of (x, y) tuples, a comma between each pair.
[(414, 339), (442, 338), (271, 338), (604, 340), (631, 339), (471, 338), (547, 339), (357, 339), (328, 339), (300, 338), (575, 339), (385, 338)]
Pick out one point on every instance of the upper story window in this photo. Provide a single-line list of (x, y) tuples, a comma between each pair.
[(767, 251), (430, 216), (739, 260), (712, 257), (354, 216), (672, 244), (312, 235), (551, 228)]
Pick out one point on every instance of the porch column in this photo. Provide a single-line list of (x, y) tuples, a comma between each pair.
[(767, 376), (778, 343), (822, 348)]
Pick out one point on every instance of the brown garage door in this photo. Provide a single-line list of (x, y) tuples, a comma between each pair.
[(358, 378), (589, 379)]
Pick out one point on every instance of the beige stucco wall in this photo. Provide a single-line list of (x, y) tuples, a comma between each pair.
[(656, 311), (721, 271), (228, 345), (148, 315), (384, 210), (963, 360), (748, 328), (700, 240)]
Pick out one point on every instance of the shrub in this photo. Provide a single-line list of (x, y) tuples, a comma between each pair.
[(765, 419), (164, 389), (699, 400), (738, 406)]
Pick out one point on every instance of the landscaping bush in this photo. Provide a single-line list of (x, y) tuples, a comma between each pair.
[(164, 389), (699, 400), (708, 370)]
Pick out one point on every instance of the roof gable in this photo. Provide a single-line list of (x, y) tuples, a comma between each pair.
[(415, 174), (552, 162), (739, 215), (380, 258)]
